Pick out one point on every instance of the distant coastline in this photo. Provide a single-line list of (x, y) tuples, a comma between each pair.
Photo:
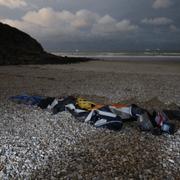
[(124, 56)]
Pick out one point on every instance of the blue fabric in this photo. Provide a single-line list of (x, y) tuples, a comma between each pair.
[(26, 99)]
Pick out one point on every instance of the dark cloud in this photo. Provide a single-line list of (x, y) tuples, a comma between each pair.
[(97, 25)]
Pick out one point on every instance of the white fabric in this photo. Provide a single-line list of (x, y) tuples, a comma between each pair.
[(104, 113), (72, 107), (88, 118), (79, 110), (54, 103), (100, 122), (123, 111)]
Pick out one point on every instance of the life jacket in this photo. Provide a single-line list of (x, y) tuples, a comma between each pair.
[(60, 105), (121, 110), (104, 118), (46, 102), (163, 123), (85, 104), (99, 118), (27, 99)]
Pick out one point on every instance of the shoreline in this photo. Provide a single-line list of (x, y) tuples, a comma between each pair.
[(121, 56), (134, 58), (143, 58)]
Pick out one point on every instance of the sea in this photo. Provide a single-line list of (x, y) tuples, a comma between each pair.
[(124, 56)]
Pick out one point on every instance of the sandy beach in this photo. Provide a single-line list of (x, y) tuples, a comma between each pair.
[(36, 144)]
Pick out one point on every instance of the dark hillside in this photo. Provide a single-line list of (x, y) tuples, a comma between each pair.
[(17, 47)]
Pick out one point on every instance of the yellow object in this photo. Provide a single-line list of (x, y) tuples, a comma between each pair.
[(84, 104)]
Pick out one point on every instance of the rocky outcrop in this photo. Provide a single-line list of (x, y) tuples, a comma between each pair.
[(17, 47)]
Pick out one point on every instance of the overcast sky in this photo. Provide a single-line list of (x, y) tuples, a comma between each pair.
[(97, 25)]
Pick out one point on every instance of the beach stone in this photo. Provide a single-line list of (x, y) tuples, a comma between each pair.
[(1, 166), (36, 144)]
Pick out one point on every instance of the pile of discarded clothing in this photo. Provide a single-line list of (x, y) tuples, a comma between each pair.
[(105, 116)]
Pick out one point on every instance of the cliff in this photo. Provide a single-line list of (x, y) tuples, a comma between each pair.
[(17, 47)]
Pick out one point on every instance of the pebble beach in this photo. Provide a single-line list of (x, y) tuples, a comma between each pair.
[(35, 144)]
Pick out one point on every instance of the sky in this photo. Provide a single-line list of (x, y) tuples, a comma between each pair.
[(97, 25)]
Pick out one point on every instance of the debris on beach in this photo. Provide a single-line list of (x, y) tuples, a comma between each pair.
[(104, 116), (35, 144)]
